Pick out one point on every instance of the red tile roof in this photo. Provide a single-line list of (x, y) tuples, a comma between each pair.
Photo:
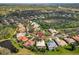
[(23, 38), (29, 43), (40, 34)]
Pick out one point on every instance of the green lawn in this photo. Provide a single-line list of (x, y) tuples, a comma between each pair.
[(62, 51)]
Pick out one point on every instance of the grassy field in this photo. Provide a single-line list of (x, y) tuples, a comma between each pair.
[(59, 51)]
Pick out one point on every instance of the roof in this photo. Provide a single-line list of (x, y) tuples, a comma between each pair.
[(76, 37), (60, 42), (40, 34), (29, 43), (69, 40), (20, 25), (22, 29), (40, 43), (20, 34), (51, 44), (53, 31), (23, 38)]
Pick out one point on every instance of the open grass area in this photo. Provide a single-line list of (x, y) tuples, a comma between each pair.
[(60, 51)]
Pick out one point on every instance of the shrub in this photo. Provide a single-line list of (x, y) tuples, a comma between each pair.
[(5, 51)]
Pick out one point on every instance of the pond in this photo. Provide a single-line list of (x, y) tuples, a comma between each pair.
[(8, 44)]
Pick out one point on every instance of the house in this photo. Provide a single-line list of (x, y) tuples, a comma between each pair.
[(51, 45), (6, 22), (35, 26), (69, 40), (53, 31), (29, 43), (60, 42), (20, 34), (11, 20), (23, 38), (40, 34), (76, 38), (40, 44), (61, 35), (21, 28)]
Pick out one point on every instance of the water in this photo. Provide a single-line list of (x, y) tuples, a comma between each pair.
[(8, 44)]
